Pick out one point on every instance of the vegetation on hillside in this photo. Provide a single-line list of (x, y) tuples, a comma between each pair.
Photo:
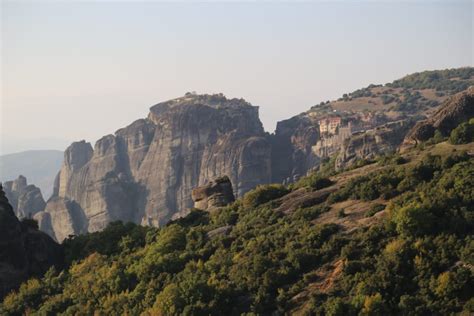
[(449, 80), (417, 261), (463, 134), (405, 94)]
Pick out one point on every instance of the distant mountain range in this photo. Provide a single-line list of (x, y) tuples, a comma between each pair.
[(38, 166)]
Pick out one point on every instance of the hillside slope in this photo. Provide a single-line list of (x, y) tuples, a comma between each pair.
[(390, 237), (372, 120), (24, 250), (457, 110)]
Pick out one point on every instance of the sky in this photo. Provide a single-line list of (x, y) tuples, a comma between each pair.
[(73, 70)]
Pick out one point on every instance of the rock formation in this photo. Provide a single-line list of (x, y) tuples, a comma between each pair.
[(25, 199), (38, 166), (214, 194), (457, 109), (61, 219), (292, 155), (24, 250), (382, 139), (146, 171)]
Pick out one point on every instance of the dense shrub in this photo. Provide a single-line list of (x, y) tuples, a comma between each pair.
[(462, 134), (314, 181), (375, 209), (389, 159), (29, 223), (116, 237), (439, 80), (262, 194), (370, 187)]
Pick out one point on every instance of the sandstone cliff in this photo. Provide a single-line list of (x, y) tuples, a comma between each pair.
[(25, 199), (145, 172), (457, 109), (24, 250)]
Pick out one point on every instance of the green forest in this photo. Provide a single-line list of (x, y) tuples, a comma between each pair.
[(251, 258)]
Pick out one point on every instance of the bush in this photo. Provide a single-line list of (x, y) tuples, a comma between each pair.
[(375, 209), (414, 220), (463, 134), (314, 181), (106, 242), (262, 194), (396, 159), (441, 80), (386, 99), (29, 223), (437, 138)]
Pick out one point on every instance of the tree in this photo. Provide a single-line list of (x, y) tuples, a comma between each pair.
[(414, 220), (462, 134)]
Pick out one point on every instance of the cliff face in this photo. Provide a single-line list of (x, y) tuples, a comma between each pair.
[(24, 250), (25, 199), (292, 156), (382, 139), (146, 171), (62, 218), (457, 109)]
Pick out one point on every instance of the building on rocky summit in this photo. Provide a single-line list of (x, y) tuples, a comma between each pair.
[(329, 125)]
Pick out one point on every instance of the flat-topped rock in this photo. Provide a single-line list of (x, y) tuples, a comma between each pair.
[(145, 172)]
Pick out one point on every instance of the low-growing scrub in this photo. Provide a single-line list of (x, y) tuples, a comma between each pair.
[(375, 209), (262, 194), (313, 181)]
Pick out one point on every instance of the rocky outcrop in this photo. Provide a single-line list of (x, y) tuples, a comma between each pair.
[(38, 166), (367, 145), (25, 199), (24, 250), (62, 218), (457, 109), (145, 172), (214, 194), (292, 155)]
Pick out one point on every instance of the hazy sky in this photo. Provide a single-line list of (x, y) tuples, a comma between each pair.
[(81, 70)]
